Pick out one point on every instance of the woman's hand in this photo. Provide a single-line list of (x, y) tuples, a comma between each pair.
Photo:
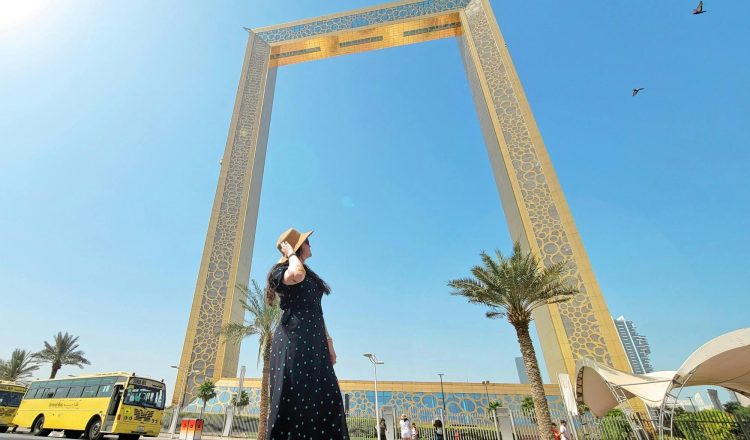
[(287, 249), (331, 351)]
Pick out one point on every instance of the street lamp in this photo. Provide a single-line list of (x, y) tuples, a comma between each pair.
[(176, 412), (375, 363), (485, 383), (442, 393)]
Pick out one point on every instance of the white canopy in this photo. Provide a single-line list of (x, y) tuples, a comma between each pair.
[(594, 381), (723, 361)]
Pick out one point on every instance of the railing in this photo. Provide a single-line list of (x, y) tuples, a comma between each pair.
[(704, 425)]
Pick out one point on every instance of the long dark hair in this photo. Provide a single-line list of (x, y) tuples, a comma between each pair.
[(272, 285)]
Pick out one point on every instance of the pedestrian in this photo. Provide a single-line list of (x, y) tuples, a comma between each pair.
[(438, 425), (555, 432), (305, 395), (383, 428), (414, 431), (564, 431), (405, 427)]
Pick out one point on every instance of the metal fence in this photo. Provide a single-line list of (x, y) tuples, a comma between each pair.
[(704, 425), (466, 426)]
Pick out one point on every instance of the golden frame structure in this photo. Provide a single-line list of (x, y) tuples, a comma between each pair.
[(535, 209)]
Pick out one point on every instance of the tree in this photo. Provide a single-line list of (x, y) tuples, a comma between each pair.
[(206, 392), (20, 366), (512, 288), (495, 405), (527, 404), (240, 400), (63, 352), (262, 321)]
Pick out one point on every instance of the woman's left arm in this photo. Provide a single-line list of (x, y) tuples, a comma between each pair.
[(331, 351)]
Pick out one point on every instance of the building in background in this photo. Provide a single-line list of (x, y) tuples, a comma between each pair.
[(420, 400), (635, 345), (714, 396), (523, 376)]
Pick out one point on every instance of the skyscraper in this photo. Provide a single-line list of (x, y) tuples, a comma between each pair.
[(635, 345), (523, 376)]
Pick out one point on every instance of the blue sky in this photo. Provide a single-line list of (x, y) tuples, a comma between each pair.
[(114, 115)]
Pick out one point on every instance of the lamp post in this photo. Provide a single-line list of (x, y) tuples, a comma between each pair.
[(442, 393), (375, 363), (176, 412), (487, 393)]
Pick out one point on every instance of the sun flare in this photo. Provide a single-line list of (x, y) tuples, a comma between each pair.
[(16, 13)]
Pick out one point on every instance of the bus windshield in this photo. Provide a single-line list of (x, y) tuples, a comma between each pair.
[(10, 398), (145, 396)]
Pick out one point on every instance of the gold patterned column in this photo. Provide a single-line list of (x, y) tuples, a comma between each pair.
[(536, 211), (227, 253)]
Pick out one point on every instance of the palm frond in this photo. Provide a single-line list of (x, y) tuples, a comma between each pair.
[(64, 351), (261, 318), (513, 286)]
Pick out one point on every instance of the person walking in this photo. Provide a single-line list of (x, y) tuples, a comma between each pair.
[(564, 435), (305, 395), (405, 427), (414, 431), (438, 425)]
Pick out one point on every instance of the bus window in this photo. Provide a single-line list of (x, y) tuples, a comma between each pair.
[(61, 392), (76, 391), (145, 396), (90, 387), (104, 391), (89, 391), (10, 398)]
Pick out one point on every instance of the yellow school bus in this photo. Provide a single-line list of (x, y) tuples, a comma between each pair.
[(93, 405), (11, 394)]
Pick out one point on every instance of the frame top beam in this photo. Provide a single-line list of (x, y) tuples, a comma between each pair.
[(360, 18)]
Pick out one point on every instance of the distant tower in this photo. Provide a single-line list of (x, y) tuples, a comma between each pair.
[(523, 376), (714, 396), (635, 345)]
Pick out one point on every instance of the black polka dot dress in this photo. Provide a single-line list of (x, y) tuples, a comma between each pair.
[(305, 396)]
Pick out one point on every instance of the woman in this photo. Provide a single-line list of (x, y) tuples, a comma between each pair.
[(414, 431), (305, 395), (383, 429), (438, 425), (405, 427)]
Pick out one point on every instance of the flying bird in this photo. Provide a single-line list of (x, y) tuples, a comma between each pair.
[(635, 91), (699, 9)]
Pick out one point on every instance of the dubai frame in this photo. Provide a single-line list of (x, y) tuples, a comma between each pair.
[(535, 209)]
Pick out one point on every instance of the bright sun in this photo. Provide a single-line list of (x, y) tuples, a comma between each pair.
[(15, 13)]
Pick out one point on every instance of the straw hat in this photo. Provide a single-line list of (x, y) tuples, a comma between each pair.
[(403, 417), (294, 237)]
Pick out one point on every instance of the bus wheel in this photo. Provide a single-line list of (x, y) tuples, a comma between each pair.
[(37, 428), (3, 429), (94, 429), (72, 434)]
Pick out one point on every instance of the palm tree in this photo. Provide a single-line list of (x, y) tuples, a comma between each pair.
[(263, 321), (63, 352), (240, 400), (20, 366), (206, 392), (512, 288)]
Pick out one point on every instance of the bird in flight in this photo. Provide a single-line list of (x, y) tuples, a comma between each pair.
[(699, 9), (635, 91)]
